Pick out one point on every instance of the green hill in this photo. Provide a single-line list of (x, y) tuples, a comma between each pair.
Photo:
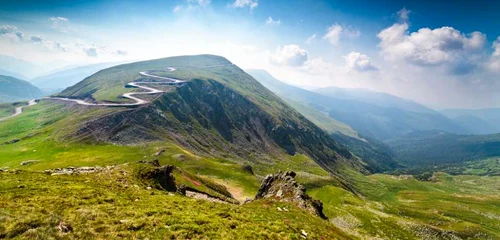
[(13, 89), (220, 111)]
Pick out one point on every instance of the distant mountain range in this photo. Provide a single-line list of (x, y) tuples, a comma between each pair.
[(13, 89), (310, 104), (12, 74), (482, 121), (375, 115), (413, 135), (376, 98), (68, 77), (20, 68)]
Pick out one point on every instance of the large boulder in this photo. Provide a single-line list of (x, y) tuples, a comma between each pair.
[(283, 187)]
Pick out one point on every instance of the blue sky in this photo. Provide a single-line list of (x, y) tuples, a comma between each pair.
[(439, 53)]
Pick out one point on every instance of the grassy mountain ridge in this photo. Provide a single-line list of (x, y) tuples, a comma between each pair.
[(221, 110), (13, 89)]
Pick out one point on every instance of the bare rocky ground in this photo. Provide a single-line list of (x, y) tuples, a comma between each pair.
[(78, 170), (203, 196)]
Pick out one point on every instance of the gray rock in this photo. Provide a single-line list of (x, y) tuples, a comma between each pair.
[(282, 187), (29, 162), (64, 227)]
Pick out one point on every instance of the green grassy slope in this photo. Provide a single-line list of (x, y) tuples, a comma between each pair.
[(114, 204), (401, 207), (13, 89), (95, 204)]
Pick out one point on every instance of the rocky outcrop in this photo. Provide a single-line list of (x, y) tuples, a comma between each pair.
[(162, 177), (283, 187)]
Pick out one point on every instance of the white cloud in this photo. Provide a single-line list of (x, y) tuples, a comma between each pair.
[(91, 51), (4, 29), (60, 23), (11, 32), (249, 49), (177, 8), (36, 39), (494, 62), (310, 39), (120, 52), (404, 14), (318, 66), (496, 46), (60, 46), (20, 35), (359, 62), (271, 21), (245, 3), (289, 55), (429, 46), (335, 32)]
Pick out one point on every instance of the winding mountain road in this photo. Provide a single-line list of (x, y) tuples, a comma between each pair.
[(129, 95), (19, 110)]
